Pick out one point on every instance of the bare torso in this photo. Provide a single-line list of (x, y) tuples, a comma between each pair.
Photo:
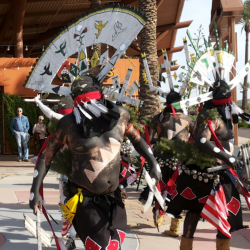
[(96, 160), (170, 127)]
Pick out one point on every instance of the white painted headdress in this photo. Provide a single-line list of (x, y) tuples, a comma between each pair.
[(116, 26), (214, 60)]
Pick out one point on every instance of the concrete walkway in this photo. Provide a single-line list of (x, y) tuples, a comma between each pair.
[(14, 195)]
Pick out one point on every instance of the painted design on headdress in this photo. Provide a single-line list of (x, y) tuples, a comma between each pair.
[(97, 26), (118, 93), (218, 61)]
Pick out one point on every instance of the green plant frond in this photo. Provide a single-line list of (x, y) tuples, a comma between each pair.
[(186, 152), (61, 162), (134, 119), (52, 125), (146, 121), (211, 114)]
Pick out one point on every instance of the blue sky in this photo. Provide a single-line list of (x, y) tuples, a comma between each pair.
[(199, 11)]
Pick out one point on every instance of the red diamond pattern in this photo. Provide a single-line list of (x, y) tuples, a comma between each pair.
[(203, 199), (121, 235), (124, 171), (233, 206), (91, 245), (174, 194), (188, 194), (172, 189), (113, 245)]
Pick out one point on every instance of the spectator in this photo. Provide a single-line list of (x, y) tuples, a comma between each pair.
[(39, 131), (20, 127)]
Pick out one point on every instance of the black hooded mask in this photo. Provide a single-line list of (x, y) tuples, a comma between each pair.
[(172, 97), (106, 121)]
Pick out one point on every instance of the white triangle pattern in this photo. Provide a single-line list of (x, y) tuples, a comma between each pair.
[(107, 157)]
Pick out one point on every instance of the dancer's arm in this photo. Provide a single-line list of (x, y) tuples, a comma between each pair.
[(143, 149), (46, 110), (43, 166), (204, 143)]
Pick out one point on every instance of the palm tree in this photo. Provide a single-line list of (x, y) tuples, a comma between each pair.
[(151, 105), (245, 21)]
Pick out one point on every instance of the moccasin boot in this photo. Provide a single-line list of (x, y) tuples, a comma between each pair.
[(174, 227)]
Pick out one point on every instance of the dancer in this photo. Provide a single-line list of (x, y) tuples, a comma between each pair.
[(195, 184), (94, 143), (171, 124), (212, 196)]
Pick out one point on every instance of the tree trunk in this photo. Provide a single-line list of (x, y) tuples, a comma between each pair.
[(96, 47), (244, 99), (151, 105)]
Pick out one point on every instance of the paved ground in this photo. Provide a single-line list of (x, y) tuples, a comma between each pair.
[(244, 135), (14, 193)]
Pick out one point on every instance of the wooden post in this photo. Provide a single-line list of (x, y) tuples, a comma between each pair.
[(233, 47), (18, 18)]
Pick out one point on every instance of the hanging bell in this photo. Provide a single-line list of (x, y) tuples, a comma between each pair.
[(206, 180), (174, 168), (216, 181), (170, 166), (200, 178), (193, 172), (183, 167), (195, 176)]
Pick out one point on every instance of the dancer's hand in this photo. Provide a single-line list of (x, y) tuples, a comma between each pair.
[(234, 162), (156, 174), (37, 99), (35, 202)]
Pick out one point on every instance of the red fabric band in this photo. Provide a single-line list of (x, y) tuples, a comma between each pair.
[(200, 107), (124, 164), (64, 111), (87, 96), (222, 101), (170, 106)]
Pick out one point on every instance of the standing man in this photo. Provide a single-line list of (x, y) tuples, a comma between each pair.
[(20, 127)]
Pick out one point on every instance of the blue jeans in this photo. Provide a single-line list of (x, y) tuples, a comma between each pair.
[(22, 139)]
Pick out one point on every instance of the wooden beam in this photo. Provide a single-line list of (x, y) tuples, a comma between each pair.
[(44, 36), (60, 12), (6, 23), (177, 21), (45, 25), (135, 47), (175, 49), (171, 51), (174, 26), (162, 35), (159, 2), (126, 2), (37, 1)]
